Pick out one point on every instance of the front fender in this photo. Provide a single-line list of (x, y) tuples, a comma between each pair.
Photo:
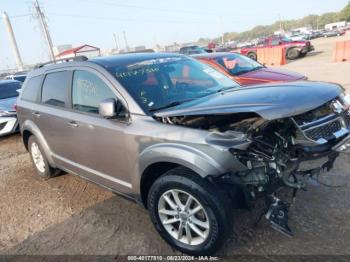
[(29, 125), (180, 154)]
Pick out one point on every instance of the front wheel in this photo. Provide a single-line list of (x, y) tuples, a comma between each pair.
[(189, 212), (253, 56), (293, 54)]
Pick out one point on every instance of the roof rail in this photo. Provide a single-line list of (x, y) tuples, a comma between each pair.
[(69, 59)]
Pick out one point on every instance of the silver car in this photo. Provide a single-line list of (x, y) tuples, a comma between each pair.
[(9, 91), (181, 139)]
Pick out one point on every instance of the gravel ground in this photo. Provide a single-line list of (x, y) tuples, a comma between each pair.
[(67, 215)]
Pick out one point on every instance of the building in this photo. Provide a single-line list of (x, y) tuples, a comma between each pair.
[(86, 50), (60, 48), (335, 25)]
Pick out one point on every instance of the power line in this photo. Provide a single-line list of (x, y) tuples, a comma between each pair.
[(172, 10), (20, 16), (77, 16)]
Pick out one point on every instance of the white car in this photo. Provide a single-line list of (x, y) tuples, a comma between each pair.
[(9, 91), (20, 78)]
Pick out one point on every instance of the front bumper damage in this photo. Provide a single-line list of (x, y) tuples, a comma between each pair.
[(267, 188), (313, 149)]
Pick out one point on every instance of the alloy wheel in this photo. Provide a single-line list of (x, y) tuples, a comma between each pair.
[(183, 217), (37, 156)]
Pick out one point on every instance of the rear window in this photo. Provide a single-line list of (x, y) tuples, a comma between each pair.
[(9, 90), (55, 88), (32, 89)]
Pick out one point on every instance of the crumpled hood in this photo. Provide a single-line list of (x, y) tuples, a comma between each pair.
[(8, 104), (273, 75), (270, 101)]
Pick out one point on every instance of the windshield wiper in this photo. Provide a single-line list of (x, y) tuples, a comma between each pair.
[(172, 104), (248, 70), (225, 89)]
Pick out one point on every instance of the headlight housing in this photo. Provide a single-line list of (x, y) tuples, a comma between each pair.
[(7, 113), (345, 100)]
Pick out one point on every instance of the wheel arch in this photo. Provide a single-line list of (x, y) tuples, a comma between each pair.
[(158, 159), (29, 128)]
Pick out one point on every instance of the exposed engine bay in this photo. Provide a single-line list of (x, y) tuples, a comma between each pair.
[(276, 153)]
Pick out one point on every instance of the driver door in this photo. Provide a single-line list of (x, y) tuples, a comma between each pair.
[(97, 148)]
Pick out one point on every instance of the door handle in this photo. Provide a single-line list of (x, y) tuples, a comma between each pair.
[(73, 123), (36, 114)]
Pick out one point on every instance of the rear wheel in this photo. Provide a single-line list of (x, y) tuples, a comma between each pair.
[(189, 212), (293, 53), (39, 159), (252, 55)]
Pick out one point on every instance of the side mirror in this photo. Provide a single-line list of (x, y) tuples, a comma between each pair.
[(107, 108), (111, 108)]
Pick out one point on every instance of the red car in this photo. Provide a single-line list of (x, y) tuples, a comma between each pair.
[(294, 49), (246, 71)]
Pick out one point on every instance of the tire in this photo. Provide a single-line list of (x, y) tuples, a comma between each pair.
[(40, 163), (293, 53), (215, 212), (252, 55)]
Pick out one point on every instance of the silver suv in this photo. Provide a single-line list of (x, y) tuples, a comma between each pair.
[(182, 139)]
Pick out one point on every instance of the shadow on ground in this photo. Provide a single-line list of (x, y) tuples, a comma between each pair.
[(311, 54)]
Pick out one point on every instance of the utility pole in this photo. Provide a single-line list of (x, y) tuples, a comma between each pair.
[(13, 42), (116, 42), (280, 20), (126, 42), (41, 17)]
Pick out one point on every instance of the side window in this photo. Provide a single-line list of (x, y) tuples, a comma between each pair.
[(275, 42), (31, 91), (55, 88), (88, 91)]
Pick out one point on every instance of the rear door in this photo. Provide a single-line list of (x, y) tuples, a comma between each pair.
[(50, 115)]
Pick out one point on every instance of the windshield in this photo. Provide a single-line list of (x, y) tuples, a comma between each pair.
[(238, 64), (286, 39), (164, 82), (9, 90)]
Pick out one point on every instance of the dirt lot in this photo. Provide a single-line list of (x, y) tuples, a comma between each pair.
[(67, 215)]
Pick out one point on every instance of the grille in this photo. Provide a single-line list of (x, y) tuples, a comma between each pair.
[(2, 125), (325, 131), (347, 119), (314, 115)]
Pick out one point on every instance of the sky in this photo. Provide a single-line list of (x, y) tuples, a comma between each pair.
[(151, 22)]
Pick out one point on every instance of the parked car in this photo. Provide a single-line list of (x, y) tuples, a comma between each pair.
[(182, 139), (334, 32), (294, 49), (20, 77), (314, 35), (247, 71), (9, 91), (298, 37), (191, 50)]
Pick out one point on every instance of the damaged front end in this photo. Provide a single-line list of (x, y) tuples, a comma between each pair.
[(276, 153)]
